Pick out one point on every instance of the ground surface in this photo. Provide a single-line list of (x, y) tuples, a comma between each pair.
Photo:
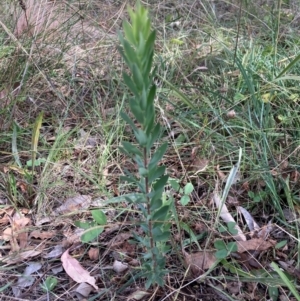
[(228, 80)]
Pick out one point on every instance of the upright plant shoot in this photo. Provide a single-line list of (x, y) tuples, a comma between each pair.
[(137, 48)]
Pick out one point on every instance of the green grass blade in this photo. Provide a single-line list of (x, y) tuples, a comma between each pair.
[(285, 280)]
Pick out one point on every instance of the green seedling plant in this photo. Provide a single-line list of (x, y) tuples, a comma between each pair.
[(223, 249), (93, 228), (49, 284), (137, 49), (185, 192)]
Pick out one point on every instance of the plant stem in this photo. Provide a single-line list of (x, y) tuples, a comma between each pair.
[(149, 211)]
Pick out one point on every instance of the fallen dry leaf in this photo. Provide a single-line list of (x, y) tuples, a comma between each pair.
[(18, 225), (255, 244), (26, 279), (75, 270), (137, 295), (75, 203), (44, 220), (83, 290), (19, 257), (119, 267), (41, 235), (72, 237), (8, 235), (200, 261), (251, 223), (7, 212), (56, 252)]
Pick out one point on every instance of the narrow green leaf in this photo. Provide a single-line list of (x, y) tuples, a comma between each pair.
[(139, 161), (130, 54), (149, 124), (181, 95), (160, 184), (287, 282), (131, 149), (137, 77), (99, 216), (151, 96), (154, 135), (136, 110), (156, 173), (128, 120), (147, 66), (165, 236), (129, 179), (141, 137), (130, 84), (157, 156), (156, 194), (150, 43), (289, 66), (14, 147), (161, 214), (155, 204), (128, 32), (122, 52), (35, 136)]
